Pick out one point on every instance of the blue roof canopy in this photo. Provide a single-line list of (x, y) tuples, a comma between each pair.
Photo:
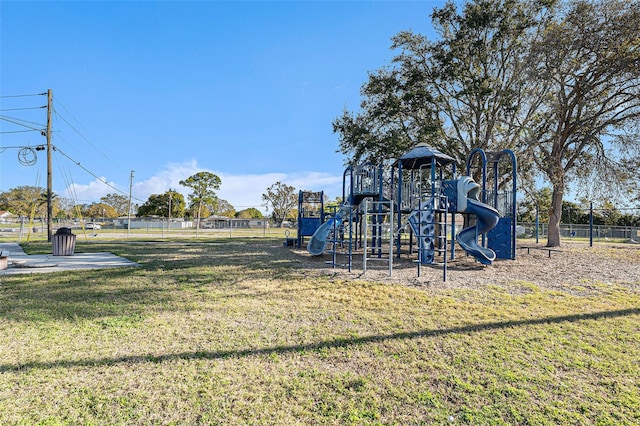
[(422, 155)]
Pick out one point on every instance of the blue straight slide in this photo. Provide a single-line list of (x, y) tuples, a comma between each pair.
[(318, 242), (486, 219)]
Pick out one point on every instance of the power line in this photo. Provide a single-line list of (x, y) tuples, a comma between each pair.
[(57, 101), (23, 123), (93, 174), (20, 131), (23, 96), (32, 126), (22, 109), (71, 189), (82, 136), (13, 147)]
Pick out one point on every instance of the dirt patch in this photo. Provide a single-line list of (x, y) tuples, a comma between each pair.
[(575, 269)]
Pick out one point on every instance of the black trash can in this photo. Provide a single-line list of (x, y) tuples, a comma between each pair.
[(64, 242)]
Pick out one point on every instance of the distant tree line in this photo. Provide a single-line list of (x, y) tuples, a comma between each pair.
[(31, 202), (281, 199)]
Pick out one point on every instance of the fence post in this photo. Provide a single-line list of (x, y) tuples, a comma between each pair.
[(591, 224), (537, 224), (366, 235), (391, 239)]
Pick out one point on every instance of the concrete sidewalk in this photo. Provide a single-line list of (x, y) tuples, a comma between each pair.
[(21, 263)]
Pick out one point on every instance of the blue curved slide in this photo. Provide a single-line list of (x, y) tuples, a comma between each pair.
[(318, 242), (486, 219)]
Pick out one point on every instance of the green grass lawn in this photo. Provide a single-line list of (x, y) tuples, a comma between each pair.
[(233, 331)]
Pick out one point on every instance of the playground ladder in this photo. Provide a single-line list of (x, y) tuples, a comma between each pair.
[(374, 218)]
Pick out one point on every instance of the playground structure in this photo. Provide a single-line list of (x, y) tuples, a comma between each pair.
[(499, 185), (311, 214), (413, 212), (343, 228)]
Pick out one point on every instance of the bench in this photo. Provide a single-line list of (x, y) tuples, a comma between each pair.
[(548, 249)]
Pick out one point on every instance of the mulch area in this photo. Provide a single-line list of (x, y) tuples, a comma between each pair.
[(573, 269)]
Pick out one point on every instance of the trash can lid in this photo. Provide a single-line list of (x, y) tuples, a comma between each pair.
[(63, 231)]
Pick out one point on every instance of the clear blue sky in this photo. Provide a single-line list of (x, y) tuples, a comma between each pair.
[(246, 90)]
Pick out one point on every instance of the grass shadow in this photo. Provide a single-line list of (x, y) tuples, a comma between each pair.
[(327, 344)]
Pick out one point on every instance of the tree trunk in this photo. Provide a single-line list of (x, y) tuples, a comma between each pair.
[(553, 236)]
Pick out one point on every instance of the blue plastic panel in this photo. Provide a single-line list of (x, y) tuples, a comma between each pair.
[(309, 225), (450, 189), (500, 238)]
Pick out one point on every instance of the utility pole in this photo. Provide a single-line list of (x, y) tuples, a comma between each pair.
[(49, 176), (129, 213)]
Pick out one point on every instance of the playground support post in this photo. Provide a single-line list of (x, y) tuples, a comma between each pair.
[(334, 248), (350, 238), (365, 225), (444, 272), (453, 235)]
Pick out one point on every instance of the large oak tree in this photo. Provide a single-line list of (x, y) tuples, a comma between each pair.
[(467, 89), (587, 126), (555, 82)]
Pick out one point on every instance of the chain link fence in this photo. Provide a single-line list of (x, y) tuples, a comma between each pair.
[(19, 231), (621, 234)]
